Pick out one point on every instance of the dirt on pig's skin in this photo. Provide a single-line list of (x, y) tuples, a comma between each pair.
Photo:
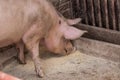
[(76, 66)]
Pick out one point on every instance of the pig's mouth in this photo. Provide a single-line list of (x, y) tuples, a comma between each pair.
[(69, 50)]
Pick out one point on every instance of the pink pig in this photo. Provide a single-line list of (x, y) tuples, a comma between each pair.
[(29, 21), (4, 76)]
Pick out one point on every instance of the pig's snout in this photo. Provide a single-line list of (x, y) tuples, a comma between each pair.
[(70, 50)]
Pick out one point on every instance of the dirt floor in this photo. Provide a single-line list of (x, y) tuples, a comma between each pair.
[(76, 66)]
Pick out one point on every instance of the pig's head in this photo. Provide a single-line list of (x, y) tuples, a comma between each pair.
[(59, 37)]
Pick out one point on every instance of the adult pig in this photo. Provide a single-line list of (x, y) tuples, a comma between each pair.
[(29, 21)]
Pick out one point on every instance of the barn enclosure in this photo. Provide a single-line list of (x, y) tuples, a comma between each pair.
[(101, 17), (98, 51), (100, 13)]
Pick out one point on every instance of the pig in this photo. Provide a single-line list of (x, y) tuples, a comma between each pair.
[(28, 22), (4, 76)]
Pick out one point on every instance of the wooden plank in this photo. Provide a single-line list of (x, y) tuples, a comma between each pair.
[(111, 14), (71, 9), (90, 12), (104, 13), (101, 33), (83, 10), (97, 13), (78, 8), (74, 8), (78, 4), (64, 6), (117, 14)]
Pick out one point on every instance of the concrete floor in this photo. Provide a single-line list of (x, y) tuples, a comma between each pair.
[(76, 66)]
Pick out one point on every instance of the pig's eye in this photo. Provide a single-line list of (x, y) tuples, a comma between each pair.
[(59, 21)]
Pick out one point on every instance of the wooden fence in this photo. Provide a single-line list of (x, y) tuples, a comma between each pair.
[(100, 13)]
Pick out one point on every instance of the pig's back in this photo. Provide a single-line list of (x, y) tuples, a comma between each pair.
[(16, 16)]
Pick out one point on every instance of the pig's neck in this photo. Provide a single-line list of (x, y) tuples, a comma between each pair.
[(51, 21), (51, 18)]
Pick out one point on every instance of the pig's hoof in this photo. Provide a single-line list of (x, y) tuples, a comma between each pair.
[(21, 61), (39, 72), (41, 75)]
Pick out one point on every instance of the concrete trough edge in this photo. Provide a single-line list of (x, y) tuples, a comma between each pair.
[(101, 34), (98, 48), (7, 57)]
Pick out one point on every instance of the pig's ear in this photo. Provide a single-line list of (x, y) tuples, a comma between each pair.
[(73, 21), (73, 33)]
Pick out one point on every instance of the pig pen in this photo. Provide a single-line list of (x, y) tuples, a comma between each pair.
[(94, 60), (98, 52)]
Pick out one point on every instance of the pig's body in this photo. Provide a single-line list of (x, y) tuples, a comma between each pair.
[(18, 16), (30, 21)]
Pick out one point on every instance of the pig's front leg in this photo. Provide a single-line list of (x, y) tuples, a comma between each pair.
[(31, 40), (36, 59), (21, 56)]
